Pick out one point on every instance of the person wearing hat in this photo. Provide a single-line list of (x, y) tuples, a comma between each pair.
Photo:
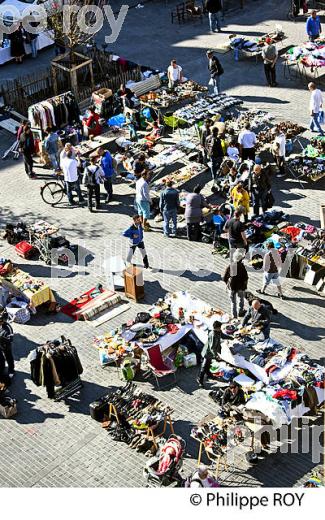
[(236, 280), (216, 70), (313, 26), (211, 350), (6, 335), (270, 56)]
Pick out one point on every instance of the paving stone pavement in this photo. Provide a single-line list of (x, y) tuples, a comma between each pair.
[(53, 444)]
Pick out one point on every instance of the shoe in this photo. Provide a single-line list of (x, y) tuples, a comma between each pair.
[(281, 297), (165, 235), (275, 84), (91, 210), (242, 313), (259, 291), (219, 30), (11, 374), (98, 207), (200, 383), (72, 203)]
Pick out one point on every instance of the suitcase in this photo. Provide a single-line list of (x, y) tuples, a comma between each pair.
[(97, 409), (24, 249)]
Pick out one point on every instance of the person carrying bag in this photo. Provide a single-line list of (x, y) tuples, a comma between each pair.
[(92, 179)]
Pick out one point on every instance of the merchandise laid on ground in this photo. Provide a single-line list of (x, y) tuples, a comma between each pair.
[(174, 307), (21, 294)]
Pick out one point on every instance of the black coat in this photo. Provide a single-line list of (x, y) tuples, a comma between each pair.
[(213, 6), (238, 282), (215, 67)]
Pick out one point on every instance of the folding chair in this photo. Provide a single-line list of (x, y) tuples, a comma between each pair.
[(158, 366)]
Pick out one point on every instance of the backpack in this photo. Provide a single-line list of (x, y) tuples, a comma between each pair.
[(90, 178)]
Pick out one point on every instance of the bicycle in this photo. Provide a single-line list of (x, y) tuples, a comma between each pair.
[(53, 192)]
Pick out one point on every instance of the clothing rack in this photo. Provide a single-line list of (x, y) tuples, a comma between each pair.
[(56, 365), (54, 119)]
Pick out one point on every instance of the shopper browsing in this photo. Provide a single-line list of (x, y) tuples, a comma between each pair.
[(272, 265), (214, 9), (92, 179), (236, 232), (69, 167), (247, 142), (216, 70), (279, 150), (270, 56), (210, 351), (315, 105), (51, 145), (168, 204), (143, 199), (236, 279), (106, 162), (135, 235), (215, 152), (259, 187), (313, 26)]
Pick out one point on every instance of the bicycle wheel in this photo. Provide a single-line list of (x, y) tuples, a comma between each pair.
[(52, 193)]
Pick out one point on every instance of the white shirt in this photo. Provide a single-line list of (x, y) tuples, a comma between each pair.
[(142, 190), (316, 101), (281, 141), (69, 168), (247, 139), (174, 73)]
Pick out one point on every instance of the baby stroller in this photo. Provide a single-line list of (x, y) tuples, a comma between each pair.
[(163, 469)]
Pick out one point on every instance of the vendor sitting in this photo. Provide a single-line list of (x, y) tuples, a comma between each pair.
[(155, 133), (91, 124), (258, 316), (201, 478), (126, 95), (233, 396)]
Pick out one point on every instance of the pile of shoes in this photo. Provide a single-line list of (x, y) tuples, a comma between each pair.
[(16, 233), (206, 107), (136, 411)]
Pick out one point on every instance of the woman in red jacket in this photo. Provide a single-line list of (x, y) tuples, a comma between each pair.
[(91, 124)]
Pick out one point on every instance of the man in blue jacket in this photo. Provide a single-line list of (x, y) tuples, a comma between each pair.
[(106, 163), (313, 26), (135, 235), (169, 202)]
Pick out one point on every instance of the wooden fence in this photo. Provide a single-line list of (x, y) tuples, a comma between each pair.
[(25, 91)]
